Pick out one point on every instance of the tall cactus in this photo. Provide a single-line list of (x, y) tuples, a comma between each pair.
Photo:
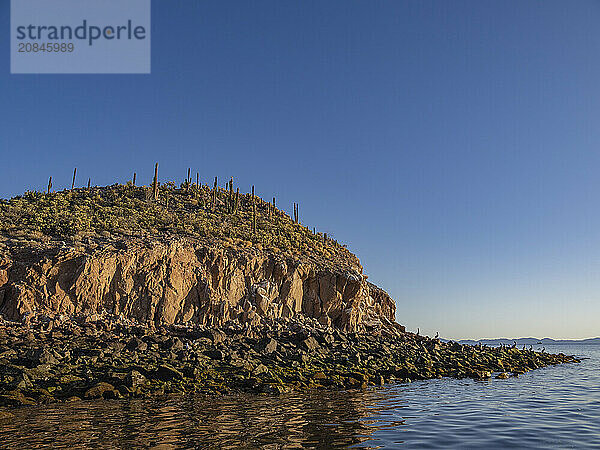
[(155, 183), (230, 204), (134, 175), (89, 183), (188, 180), (74, 174), (253, 212), (215, 194), (49, 185), (237, 200)]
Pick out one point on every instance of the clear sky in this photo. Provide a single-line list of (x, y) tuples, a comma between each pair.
[(453, 145)]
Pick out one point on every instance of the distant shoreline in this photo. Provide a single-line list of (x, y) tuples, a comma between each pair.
[(531, 341)]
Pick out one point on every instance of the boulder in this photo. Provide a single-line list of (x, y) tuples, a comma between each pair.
[(310, 344), (101, 390), (261, 368), (15, 398), (270, 346), (167, 373), (134, 379), (136, 344)]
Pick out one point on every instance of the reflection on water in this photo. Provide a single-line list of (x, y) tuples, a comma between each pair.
[(555, 407), (324, 419)]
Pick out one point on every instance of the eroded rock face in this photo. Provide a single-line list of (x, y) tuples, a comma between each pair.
[(180, 282)]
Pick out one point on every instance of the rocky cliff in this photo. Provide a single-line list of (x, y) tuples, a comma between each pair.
[(178, 280)]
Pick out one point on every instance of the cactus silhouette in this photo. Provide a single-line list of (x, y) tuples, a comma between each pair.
[(155, 182)]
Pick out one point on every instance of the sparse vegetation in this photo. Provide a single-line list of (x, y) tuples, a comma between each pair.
[(235, 220)]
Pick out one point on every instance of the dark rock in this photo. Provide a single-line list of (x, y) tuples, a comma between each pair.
[(353, 382), (216, 336), (214, 354), (43, 396), (261, 368), (46, 357), (167, 373), (270, 346), (116, 346), (71, 379), (176, 345), (40, 372), (8, 353), (23, 381), (15, 398), (101, 390), (310, 344), (136, 345), (125, 391), (5, 415)]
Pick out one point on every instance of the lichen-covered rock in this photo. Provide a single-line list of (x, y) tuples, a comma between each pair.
[(278, 356)]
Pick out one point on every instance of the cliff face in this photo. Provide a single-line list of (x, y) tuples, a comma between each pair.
[(182, 282)]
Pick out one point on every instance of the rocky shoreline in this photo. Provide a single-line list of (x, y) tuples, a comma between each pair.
[(51, 359)]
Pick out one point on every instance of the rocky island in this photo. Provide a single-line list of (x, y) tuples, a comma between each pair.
[(132, 291)]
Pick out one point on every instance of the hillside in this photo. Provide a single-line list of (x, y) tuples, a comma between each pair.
[(168, 254), (210, 215)]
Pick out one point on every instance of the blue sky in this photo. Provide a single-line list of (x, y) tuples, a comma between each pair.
[(453, 145)]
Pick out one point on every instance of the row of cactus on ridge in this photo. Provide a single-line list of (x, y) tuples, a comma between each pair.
[(231, 200)]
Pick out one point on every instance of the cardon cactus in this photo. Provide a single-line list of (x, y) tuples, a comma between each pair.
[(155, 183), (215, 194)]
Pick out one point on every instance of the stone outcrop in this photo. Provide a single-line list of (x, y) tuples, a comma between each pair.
[(178, 281)]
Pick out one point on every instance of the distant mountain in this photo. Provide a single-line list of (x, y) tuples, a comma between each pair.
[(531, 341)]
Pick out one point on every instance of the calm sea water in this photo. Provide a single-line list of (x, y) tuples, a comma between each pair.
[(554, 407)]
